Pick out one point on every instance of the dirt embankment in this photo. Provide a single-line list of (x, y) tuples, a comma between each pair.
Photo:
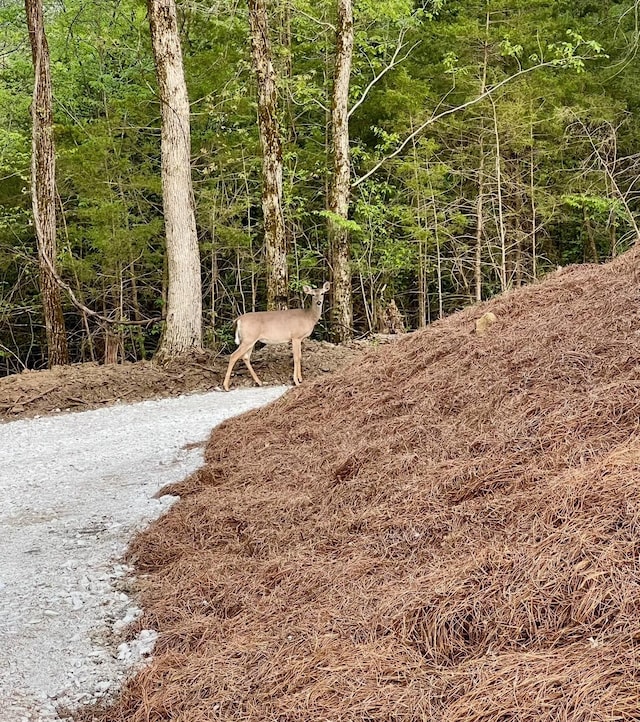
[(87, 386), (448, 532)]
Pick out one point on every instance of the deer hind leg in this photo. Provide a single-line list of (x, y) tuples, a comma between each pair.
[(247, 362), (297, 365), (239, 353)]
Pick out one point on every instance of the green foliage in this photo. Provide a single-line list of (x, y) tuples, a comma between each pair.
[(593, 205), (345, 224), (556, 135)]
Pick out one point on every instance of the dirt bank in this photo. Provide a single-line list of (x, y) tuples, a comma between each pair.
[(88, 386)]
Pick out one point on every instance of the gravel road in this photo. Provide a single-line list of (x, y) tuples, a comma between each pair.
[(74, 489)]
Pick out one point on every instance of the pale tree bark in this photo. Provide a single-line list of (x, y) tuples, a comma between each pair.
[(479, 225), (275, 240), (534, 222), (43, 186), (480, 198), (183, 330), (502, 232), (341, 314), (436, 233), (423, 285)]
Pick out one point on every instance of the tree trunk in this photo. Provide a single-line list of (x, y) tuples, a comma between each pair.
[(519, 204), (423, 283), (341, 316), (591, 237), (480, 198), (612, 234), (43, 186), (479, 226), (275, 240), (183, 330), (439, 270), (502, 233), (534, 227)]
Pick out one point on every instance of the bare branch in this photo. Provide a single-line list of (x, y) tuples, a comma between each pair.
[(392, 63), (610, 174), (322, 23), (94, 314), (434, 118)]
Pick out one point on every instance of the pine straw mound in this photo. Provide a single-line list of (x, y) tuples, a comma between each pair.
[(448, 531)]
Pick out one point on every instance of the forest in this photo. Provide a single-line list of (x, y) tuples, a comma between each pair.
[(420, 156)]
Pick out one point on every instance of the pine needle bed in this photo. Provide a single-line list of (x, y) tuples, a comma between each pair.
[(448, 530)]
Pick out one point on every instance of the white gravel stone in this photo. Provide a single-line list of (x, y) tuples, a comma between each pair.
[(75, 488)]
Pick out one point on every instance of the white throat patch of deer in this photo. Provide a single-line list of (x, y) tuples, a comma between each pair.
[(273, 327)]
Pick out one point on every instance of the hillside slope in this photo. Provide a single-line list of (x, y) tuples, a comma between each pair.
[(448, 530)]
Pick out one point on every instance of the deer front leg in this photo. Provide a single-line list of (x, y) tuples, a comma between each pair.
[(297, 357)]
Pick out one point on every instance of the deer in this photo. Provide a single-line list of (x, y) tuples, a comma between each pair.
[(273, 327)]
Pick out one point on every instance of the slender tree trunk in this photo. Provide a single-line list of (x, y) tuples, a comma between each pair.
[(275, 240), (612, 234), (591, 237), (436, 234), (439, 274), (480, 199), (43, 186), (479, 226), (423, 285), (517, 261), (519, 205), (214, 270), (284, 12), (534, 221), (501, 226), (183, 329), (341, 317)]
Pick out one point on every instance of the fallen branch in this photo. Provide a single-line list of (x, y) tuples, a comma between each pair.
[(20, 402)]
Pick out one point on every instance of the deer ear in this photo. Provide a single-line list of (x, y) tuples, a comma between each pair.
[(307, 289), (326, 286)]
